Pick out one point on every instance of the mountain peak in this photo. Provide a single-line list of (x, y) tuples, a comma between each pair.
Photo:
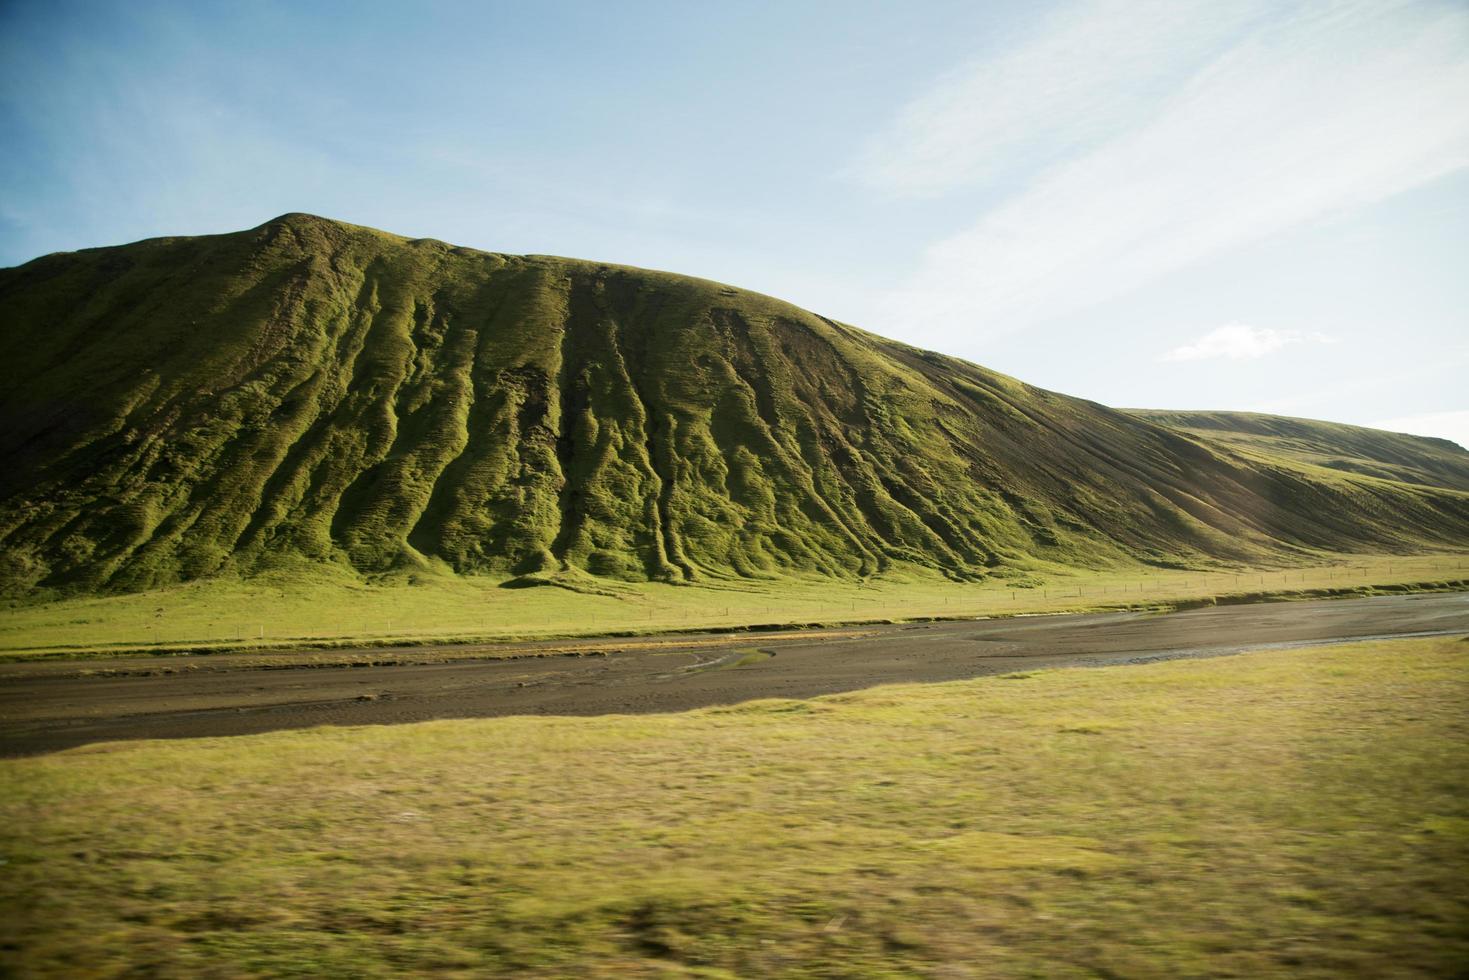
[(186, 407)]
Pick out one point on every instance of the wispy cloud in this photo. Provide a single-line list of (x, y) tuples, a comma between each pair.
[(1078, 75), (1323, 108), (1453, 426), (1240, 341)]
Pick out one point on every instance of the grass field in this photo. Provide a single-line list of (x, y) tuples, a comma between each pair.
[(316, 608), (1302, 812)]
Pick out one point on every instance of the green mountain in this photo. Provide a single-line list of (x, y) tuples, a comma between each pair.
[(1348, 448), (310, 391)]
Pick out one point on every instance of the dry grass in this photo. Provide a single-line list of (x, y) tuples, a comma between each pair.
[(1302, 812)]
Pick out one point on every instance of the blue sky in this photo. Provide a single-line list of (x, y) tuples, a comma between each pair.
[(1249, 204)]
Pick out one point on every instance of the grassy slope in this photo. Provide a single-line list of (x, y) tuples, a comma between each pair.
[(1296, 812), (309, 392), (1346, 448), (285, 613)]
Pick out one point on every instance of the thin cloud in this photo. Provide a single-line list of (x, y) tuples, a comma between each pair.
[(1239, 341), (1333, 107), (1082, 72)]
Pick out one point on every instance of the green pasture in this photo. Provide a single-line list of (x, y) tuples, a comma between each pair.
[(1301, 813), (319, 607)]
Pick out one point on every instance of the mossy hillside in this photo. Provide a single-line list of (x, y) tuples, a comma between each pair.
[(1346, 448), (177, 408)]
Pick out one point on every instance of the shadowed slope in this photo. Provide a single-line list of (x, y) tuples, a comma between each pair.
[(1348, 448), (320, 391)]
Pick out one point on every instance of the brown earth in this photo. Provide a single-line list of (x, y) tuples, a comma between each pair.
[(46, 707)]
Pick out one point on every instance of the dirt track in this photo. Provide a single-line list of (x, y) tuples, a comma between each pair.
[(43, 709)]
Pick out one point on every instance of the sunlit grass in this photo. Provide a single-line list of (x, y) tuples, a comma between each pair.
[(315, 606), (1296, 812)]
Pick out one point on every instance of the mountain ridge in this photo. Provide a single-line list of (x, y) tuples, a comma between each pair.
[(1427, 460), (309, 390)]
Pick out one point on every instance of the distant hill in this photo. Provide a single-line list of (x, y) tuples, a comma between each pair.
[(1349, 448), (311, 391)]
